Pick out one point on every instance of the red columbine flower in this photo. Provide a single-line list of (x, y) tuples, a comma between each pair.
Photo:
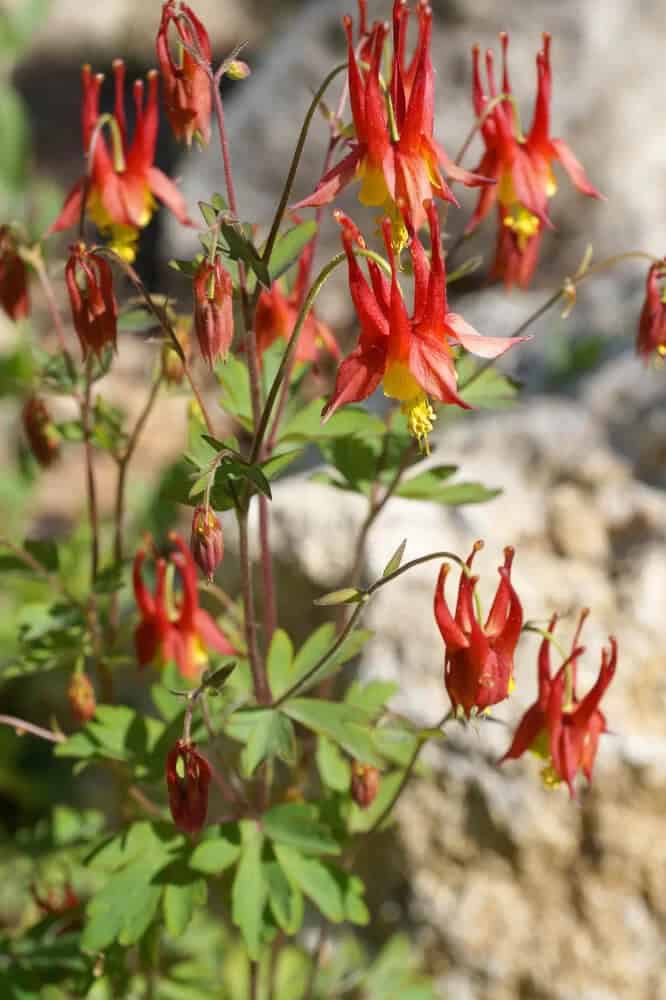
[(522, 167), (276, 316), (81, 697), (652, 326), (207, 541), (478, 669), (42, 434), (411, 356), (365, 780), (174, 629), (213, 310), (13, 277), (188, 776), (394, 154), (187, 85), (559, 727), (122, 179), (94, 308)]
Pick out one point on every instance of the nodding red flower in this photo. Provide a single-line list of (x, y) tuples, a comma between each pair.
[(13, 277), (478, 668), (521, 165), (188, 776), (42, 434), (207, 541), (94, 308), (559, 727), (365, 781), (187, 86), (81, 697), (410, 355), (652, 325), (213, 310), (174, 629), (276, 316), (394, 154), (122, 181)]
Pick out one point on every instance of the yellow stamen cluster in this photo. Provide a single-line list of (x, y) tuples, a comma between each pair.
[(523, 223), (550, 777), (121, 239), (420, 420)]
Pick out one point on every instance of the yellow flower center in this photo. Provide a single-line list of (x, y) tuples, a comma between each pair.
[(121, 239), (550, 777), (523, 223)]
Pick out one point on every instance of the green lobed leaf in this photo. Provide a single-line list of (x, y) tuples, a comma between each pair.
[(249, 893), (334, 768), (125, 907), (279, 662), (215, 855), (289, 247), (490, 390), (306, 424), (179, 902), (349, 648), (372, 697), (315, 880), (426, 485), (297, 825), (272, 735), (285, 899), (344, 724), (234, 378)]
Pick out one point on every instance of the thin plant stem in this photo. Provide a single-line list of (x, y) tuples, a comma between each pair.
[(22, 726), (270, 596), (37, 262), (91, 488), (259, 678)]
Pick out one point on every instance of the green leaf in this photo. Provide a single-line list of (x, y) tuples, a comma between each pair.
[(306, 424), (292, 974), (285, 899), (289, 246), (124, 909), (272, 735), (356, 910), (235, 381), (342, 723), (120, 733), (334, 768), (279, 662), (395, 742), (395, 561), (315, 880), (348, 595), (43, 552), (313, 649), (249, 893), (137, 321), (239, 246), (490, 390), (372, 697), (14, 150), (215, 855), (297, 825), (179, 903), (426, 485), (275, 466)]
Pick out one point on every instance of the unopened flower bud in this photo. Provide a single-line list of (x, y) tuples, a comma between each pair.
[(173, 368), (188, 776), (238, 70), (42, 434), (81, 696), (364, 784), (207, 541), (94, 308), (213, 310), (13, 277), (187, 93)]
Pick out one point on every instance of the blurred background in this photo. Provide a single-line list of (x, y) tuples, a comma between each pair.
[(511, 891)]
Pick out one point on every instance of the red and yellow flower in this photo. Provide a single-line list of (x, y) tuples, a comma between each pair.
[(652, 325), (174, 629), (478, 668), (559, 727), (411, 356), (394, 154), (122, 181), (213, 291), (94, 308), (187, 85), (521, 165)]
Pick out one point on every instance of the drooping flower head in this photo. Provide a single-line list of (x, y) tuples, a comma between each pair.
[(652, 325), (559, 727), (394, 154), (13, 277), (122, 181), (187, 87), (411, 356), (94, 308), (277, 312), (212, 288), (478, 667), (174, 628), (521, 165), (43, 436), (188, 776), (207, 540)]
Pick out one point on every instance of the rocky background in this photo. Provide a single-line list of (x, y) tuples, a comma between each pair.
[(512, 891)]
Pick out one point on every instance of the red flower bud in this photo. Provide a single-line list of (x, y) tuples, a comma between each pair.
[(94, 307), (187, 86), (478, 668), (207, 542), (81, 695), (188, 777), (13, 277), (42, 434), (364, 784), (213, 310), (652, 326)]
